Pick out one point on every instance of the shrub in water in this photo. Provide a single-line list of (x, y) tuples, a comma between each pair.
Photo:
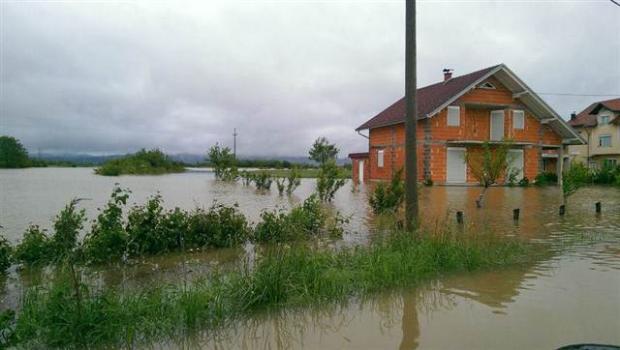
[(293, 180), (107, 240), (35, 248), (328, 181), (524, 182), (302, 221), (606, 175), (263, 180), (281, 185), (388, 198), (5, 254), (67, 226), (143, 228), (220, 226), (546, 178), (173, 227)]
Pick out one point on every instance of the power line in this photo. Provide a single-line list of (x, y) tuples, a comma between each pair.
[(578, 95), (615, 2)]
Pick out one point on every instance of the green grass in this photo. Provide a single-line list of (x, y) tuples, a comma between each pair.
[(308, 173), (54, 315)]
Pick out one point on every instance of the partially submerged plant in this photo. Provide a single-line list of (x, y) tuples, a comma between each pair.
[(489, 164), (224, 163), (388, 198), (329, 181), (263, 180)]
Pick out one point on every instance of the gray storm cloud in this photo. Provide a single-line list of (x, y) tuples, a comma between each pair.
[(115, 77)]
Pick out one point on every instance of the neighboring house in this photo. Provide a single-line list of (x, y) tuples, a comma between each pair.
[(599, 125), (456, 116)]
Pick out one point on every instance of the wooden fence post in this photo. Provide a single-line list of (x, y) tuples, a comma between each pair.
[(515, 214), (459, 217)]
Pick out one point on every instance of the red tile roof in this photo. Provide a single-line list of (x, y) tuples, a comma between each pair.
[(429, 98), (358, 155), (584, 118)]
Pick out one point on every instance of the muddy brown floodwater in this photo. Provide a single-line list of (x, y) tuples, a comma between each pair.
[(571, 297)]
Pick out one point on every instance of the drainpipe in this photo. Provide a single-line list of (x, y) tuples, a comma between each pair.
[(362, 135)]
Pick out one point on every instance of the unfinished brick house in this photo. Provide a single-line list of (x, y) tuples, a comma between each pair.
[(456, 116)]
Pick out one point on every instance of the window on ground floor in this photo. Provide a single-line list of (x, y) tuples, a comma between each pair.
[(610, 162), (380, 156)]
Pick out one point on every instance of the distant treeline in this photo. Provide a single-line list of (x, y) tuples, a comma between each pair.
[(265, 163), (14, 155), (143, 162)]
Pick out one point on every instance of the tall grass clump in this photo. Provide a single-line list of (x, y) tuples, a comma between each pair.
[(51, 316)]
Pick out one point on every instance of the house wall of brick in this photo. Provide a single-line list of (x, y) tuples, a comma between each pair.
[(436, 136)]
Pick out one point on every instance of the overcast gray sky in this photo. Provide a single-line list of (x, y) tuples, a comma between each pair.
[(113, 77)]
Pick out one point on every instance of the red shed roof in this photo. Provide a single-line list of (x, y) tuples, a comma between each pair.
[(587, 117), (429, 99)]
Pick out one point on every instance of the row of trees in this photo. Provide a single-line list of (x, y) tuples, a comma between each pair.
[(329, 179)]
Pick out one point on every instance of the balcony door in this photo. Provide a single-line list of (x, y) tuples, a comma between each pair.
[(497, 125)]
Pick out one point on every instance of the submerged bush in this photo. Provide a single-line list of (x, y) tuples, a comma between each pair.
[(220, 226), (388, 198), (262, 180), (546, 178), (302, 221), (35, 248), (54, 316), (150, 162), (5, 254), (67, 226), (329, 180), (606, 175), (107, 240)]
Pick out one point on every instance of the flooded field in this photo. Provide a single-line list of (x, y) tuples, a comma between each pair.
[(571, 297)]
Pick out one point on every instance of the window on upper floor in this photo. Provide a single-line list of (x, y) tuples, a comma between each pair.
[(380, 156), (487, 85), (603, 119), (454, 116), (604, 141), (518, 119)]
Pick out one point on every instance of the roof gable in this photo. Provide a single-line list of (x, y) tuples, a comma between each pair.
[(429, 99), (433, 98), (587, 117)]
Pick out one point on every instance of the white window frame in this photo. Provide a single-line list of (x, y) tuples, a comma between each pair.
[(503, 113), (600, 140), (607, 118), (380, 158), (521, 113), (450, 122)]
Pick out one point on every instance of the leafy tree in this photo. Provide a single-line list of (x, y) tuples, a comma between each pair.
[(12, 153), (322, 151), (224, 163), (488, 165), (329, 180), (35, 248)]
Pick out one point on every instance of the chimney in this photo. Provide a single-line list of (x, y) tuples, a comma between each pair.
[(447, 74), (573, 116)]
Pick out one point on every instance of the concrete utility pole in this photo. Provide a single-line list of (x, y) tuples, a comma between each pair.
[(235, 142), (411, 120)]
